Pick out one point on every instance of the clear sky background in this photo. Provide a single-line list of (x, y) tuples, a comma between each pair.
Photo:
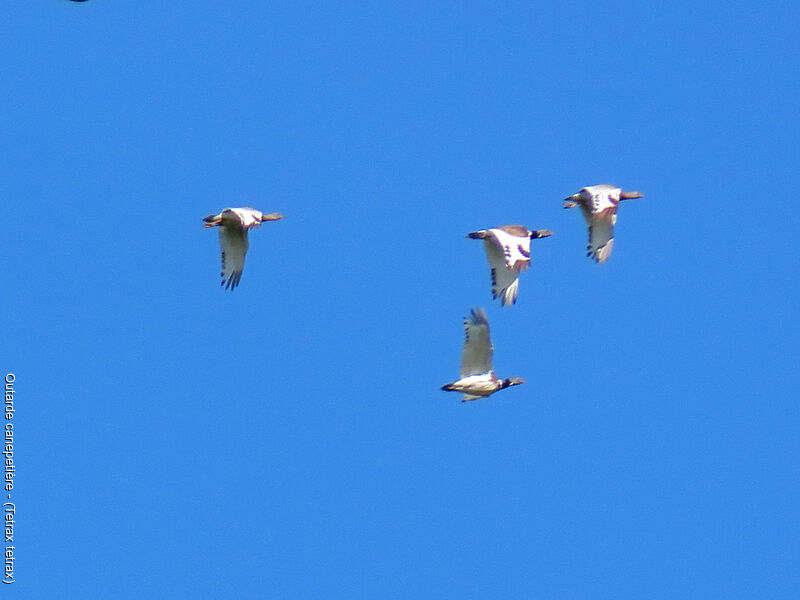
[(289, 439)]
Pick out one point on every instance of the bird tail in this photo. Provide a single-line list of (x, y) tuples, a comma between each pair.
[(212, 220)]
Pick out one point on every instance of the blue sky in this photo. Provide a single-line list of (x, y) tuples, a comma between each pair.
[(289, 439)]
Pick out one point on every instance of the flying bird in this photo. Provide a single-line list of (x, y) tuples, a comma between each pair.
[(233, 225), (477, 376), (509, 251), (599, 205)]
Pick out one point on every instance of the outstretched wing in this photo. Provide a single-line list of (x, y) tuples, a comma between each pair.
[(602, 197), (476, 359), (233, 241), (601, 234), (515, 241), (505, 282)]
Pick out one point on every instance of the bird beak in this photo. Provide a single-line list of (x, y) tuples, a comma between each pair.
[(630, 195), (271, 217)]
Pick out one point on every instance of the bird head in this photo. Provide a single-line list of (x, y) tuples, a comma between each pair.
[(512, 381), (630, 195), (271, 217), (541, 233)]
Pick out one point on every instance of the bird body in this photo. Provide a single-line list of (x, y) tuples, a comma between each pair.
[(508, 249), (478, 379), (599, 204), (234, 224), (476, 386)]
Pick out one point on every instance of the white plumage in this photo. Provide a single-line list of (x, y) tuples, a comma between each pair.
[(599, 204), (233, 225), (478, 379), (508, 249)]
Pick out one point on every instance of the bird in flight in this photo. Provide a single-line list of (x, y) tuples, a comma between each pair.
[(477, 375), (599, 205), (233, 225), (509, 251)]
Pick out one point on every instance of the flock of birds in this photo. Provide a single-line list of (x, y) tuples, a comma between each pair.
[(508, 249)]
